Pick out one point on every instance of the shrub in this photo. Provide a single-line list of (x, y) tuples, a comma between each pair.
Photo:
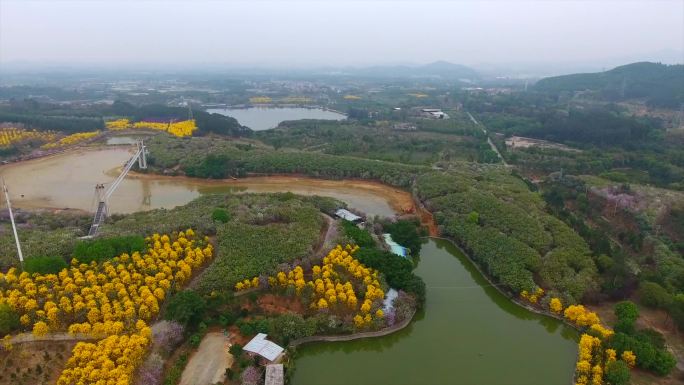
[(167, 335), (627, 311), (251, 376), (398, 271), (176, 371), (406, 233), (291, 326), (186, 307), (151, 370), (653, 295), (649, 356), (105, 248), (473, 218), (359, 236), (235, 350), (251, 327), (627, 314), (9, 319), (195, 340), (617, 373), (220, 215), (44, 265)]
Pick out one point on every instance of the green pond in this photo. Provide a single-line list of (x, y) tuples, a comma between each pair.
[(469, 333)]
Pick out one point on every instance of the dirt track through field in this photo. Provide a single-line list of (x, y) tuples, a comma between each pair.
[(209, 363)]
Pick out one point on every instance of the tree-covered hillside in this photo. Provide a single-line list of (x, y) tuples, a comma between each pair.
[(661, 85)]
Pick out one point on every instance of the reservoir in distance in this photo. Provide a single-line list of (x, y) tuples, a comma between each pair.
[(264, 118)]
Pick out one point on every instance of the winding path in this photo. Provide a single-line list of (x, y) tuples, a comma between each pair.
[(329, 238), (28, 337)]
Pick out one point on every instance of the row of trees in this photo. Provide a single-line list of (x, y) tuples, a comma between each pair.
[(224, 165), (503, 225), (334, 286)]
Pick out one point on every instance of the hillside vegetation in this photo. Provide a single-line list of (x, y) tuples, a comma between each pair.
[(659, 84), (380, 141), (506, 230), (219, 158)]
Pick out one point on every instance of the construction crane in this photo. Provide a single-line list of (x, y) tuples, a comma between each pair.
[(14, 226), (103, 194)]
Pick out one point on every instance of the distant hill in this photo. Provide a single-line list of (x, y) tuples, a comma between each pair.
[(659, 84), (438, 69)]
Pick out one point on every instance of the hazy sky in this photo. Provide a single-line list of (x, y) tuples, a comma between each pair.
[(338, 32)]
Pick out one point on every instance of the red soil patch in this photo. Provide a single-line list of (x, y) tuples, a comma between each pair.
[(236, 337), (275, 304)]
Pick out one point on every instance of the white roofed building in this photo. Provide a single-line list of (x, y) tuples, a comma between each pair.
[(348, 215), (263, 347)]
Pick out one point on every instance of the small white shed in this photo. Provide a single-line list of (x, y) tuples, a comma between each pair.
[(263, 347)]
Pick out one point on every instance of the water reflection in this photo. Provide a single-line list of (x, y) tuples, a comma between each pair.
[(466, 330), (496, 296)]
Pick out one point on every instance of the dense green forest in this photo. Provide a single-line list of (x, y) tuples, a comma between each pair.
[(598, 126), (381, 141), (659, 84), (45, 116), (608, 140)]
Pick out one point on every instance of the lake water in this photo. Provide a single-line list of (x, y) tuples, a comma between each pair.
[(264, 118), (469, 333), (68, 181)]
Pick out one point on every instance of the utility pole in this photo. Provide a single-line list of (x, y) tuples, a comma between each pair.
[(14, 226)]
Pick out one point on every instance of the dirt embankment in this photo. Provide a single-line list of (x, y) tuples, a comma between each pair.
[(400, 200), (34, 363)]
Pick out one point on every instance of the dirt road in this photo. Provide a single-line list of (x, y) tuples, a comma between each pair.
[(491, 144), (208, 364)]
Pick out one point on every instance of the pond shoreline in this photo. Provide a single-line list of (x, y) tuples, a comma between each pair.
[(67, 180), (399, 200), (355, 336), (507, 294)]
